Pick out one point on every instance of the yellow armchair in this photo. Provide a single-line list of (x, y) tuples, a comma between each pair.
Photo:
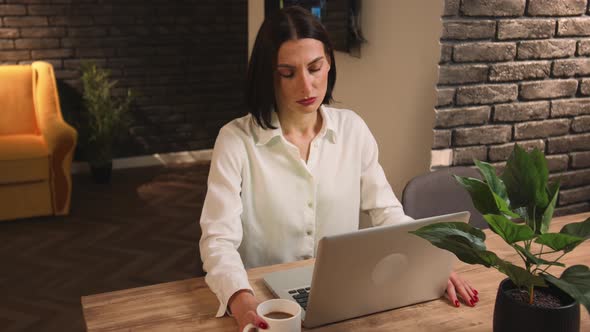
[(36, 144)]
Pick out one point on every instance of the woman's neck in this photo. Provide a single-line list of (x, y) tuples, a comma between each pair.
[(300, 125)]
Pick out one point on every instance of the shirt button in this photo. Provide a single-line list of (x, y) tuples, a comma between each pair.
[(309, 232), (310, 204)]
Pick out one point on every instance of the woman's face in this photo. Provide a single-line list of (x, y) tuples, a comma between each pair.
[(301, 76)]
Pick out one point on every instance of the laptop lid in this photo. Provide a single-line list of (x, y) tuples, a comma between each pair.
[(370, 270)]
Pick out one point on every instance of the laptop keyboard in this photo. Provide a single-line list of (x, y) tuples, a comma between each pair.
[(300, 295)]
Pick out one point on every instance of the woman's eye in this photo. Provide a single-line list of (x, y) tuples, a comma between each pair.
[(286, 74), (314, 69)]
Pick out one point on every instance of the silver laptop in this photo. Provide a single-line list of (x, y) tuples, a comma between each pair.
[(367, 271)]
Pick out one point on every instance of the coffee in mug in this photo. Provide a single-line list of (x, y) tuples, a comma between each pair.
[(281, 316), (278, 315)]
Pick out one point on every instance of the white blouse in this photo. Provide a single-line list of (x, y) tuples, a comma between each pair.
[(265, 205)]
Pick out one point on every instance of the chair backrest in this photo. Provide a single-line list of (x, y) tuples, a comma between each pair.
[(17, 111), (439, 193)]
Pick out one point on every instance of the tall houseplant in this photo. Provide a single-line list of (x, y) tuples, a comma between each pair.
[(518, 206), (106, 119)]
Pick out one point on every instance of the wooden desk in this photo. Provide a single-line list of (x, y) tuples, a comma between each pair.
[(189, 305)]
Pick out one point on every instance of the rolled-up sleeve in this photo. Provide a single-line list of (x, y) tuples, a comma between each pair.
[(221, 225), (377, 197)]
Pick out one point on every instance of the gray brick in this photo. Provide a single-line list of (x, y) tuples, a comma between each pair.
[(43, 32), (456, 74), (486, 94), (441, 139), (64, 74), (11, 10), (8, 33), (571, 67), (546, 49), (525, 29), (462, 116), (52, 54), (36, 43), (572, 179), (14, 55), (580, 159), (521, 111), (579, 26), (581, 124), (47, 10), (557, 162), (567, 197), (485, 51), (493, 7), (570, 107), (444, 97), (539, 129), (518, 71), (76, 63), (71, 21), (571, 143), (480, 29), (465, 156), (25, 21), (482, 135), (548, 89), (6, 44), (502, 152), (95, 52), (571, 209), (556, 7), (452, 7), (584, 47), (87, 32), (446, 53)]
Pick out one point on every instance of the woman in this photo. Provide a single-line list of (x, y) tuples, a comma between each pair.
[(293, 170)]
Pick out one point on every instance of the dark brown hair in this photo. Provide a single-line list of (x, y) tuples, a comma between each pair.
[(289, 23)]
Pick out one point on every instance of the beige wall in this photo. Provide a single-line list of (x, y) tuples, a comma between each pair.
[(392, 85)]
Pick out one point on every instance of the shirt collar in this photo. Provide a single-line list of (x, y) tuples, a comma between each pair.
[(263, 136)]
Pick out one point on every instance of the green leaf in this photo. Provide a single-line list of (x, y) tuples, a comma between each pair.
[(519, 276), (544, 222), (532, 259), (579, 229), (481, 195), (465, 241), (576, 282), (559, 241), (508, 230), (494, 182), (525, 177)]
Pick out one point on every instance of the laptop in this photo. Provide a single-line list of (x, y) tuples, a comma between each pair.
[(367, 271)]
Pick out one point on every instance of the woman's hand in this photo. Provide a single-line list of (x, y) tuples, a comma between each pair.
[(243, 307), (457, 286)]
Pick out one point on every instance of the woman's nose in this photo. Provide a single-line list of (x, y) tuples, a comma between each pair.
[(305, 83)]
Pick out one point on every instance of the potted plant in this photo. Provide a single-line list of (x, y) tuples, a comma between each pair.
[(105, 120), (518, 206)]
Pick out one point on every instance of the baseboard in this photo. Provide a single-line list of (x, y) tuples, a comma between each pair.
[(151, 160)]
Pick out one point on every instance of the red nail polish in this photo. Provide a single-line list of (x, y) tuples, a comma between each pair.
[(263, 325), (457, 303), (476, 298), (475, 292), (472, 303)]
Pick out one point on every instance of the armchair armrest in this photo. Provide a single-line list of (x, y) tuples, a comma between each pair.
[(60, 137)]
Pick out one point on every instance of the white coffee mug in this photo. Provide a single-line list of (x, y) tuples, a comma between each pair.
[(290, 324)]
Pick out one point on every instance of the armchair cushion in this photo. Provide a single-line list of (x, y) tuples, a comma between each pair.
[(23, 158), (17, 112)]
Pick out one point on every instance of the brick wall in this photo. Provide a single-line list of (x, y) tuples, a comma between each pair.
[(185, 59), (517, 71)]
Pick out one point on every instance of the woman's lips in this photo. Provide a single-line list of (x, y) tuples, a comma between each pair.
[(306, 102)]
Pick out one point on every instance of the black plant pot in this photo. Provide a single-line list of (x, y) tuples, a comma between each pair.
[(512, 315), (102, 174)]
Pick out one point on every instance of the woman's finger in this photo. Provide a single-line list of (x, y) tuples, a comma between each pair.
[(451, 294), (462, 290), (252, 318)]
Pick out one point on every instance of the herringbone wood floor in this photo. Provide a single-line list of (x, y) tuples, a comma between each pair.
[(139, 230)]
